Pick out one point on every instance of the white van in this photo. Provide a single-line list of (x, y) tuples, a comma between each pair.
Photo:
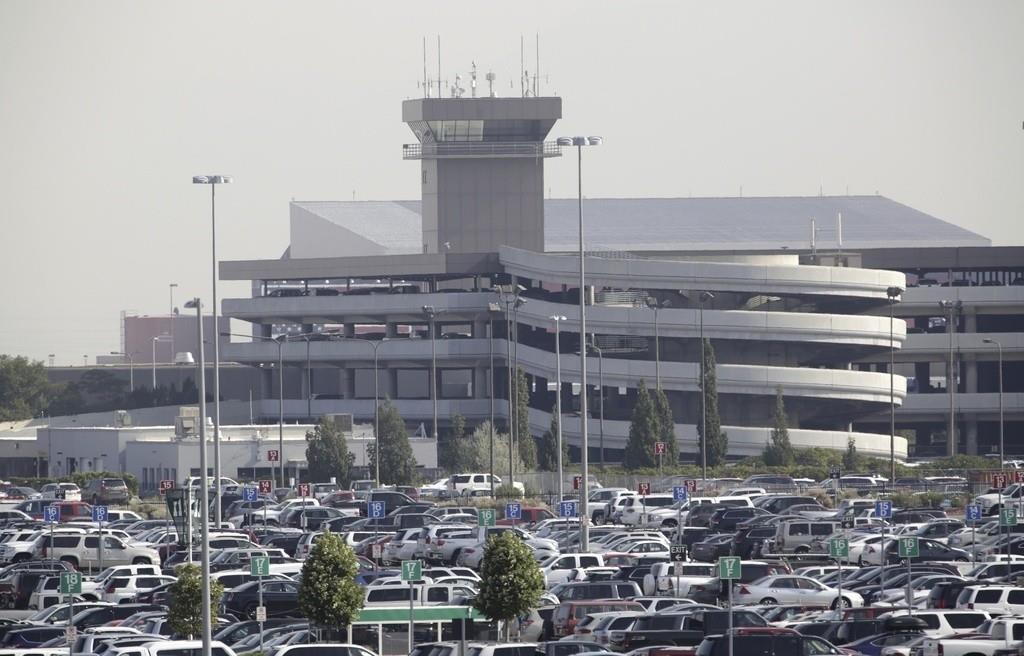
[(429, 594)]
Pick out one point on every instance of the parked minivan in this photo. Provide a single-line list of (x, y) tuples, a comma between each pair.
[(82, 551), (797, 535), (428, 594)]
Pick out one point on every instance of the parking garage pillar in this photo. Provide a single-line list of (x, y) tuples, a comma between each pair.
[(970, 428)]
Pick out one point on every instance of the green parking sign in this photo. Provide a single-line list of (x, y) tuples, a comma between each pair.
[(412, 570), (909, 548), (839, 548), (259, 566), (487, 517), (70, 583), (729, 568), (1008, 516)]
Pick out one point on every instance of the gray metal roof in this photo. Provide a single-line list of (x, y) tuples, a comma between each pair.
[(683, 224)]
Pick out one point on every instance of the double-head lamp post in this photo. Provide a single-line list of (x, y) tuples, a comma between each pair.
[(213, 181), (579, 143), (158, 338), (893, 294), (131, 368), (431, 313), (703, 298), (508, 295), (951, 307), (558, 403), (1002, 452), (204, 494)]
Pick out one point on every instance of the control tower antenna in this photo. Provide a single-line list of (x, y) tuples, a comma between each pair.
[(522, 66), (536, 67), (439, 94), (426, 86), (490, 77), (472, 80)]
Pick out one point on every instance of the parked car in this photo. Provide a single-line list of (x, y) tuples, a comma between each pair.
[(106, 491)]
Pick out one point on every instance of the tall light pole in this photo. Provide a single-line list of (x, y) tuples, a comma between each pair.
[(893, 293), (374, 344), (213, 181), (204, 493), (703, 298), (600, 398), (655, 305), (492, 309), (431, 313), (999, 346), (158, 338), (580, 142), (508, 295), (558, 401), (170, 322), (951, 307), (131, 369)]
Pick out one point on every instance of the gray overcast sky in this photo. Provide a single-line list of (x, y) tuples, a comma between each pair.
[(108, 108)]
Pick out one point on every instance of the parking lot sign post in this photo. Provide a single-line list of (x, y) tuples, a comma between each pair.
[(412, 571), (514, 511), (677, 553), (259, 566), (70, 585), (730, 569), (566, 509), (99, 515), (909, 549), (1007, 518), (972, 513), (486, 517), (883, 510), (680, 494), (839, 549)]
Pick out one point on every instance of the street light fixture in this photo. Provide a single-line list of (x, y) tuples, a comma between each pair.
[(131, 369), (579, 142), (999, 346), (558, 401), (492, 309), (431, 313), (951, 307), (374, 344), (893, 293), (204, 493), (508, 295), (170, 321), (655, 305), (701, 299), (158, 338), (213, 181)]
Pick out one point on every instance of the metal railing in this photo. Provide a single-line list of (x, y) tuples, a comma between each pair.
[(481, 149)]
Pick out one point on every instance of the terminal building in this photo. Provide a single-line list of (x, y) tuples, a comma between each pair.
[(794, 294)]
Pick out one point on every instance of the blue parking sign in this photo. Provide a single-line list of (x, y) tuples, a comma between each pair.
[(567, 509), (973, 513), (883, 509), (513, 510), (51, 514), (375, 509), (99, 513), (679, 493), (250, 493)]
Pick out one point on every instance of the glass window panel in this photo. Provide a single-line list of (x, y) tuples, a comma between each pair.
[(456, 383), (413, 384), (364, 384)]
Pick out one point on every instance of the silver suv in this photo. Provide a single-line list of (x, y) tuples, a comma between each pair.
[(82, 551)]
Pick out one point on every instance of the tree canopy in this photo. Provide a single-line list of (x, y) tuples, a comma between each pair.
[(717, 440), (511, 581), (25, 391), (644, 431), (185, 612), (779, 450), (327, 453), (524, 439), (397, 463), (328, 595)]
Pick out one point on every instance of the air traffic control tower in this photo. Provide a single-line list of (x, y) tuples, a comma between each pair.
[(482, 170)]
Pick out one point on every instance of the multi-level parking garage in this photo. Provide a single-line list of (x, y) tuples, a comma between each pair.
[(393, 291)]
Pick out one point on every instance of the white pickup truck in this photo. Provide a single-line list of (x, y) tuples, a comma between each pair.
[(1002, 634)]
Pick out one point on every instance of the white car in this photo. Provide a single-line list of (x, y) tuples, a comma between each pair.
[(990, 502), (401, 547), (789, 589), (123, 588), (637, 510)]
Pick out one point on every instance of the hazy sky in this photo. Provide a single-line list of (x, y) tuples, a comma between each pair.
[(108, 108)]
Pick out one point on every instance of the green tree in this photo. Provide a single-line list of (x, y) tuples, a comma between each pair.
[(850, 458), (524, 440), (547, 454), (327, 453), (511, 581), (779, 450), (716, 439), (643, 431), (666, 427), (397, 463), (24, 390), (185, 613), (328, 595), (453, 452), (478, 452)]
